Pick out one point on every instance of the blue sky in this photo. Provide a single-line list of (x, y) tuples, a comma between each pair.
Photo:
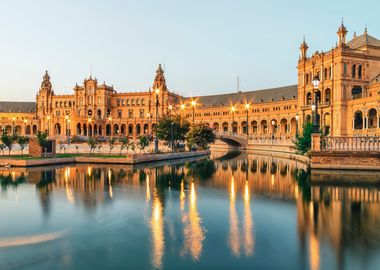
[(204, 45)]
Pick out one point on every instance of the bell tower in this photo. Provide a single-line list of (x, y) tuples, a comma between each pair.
[(44, 99), (159, 85), (342, 32), (303, 49)]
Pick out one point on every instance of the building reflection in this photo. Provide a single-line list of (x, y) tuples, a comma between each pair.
[(348, 217)]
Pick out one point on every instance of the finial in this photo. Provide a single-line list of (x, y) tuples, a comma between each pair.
[(355, 34), (342, 21), (365, 30)]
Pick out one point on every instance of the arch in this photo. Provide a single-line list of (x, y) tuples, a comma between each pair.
[(215, 127), (356, 92), (100, 130), (138, 102), (284, 128), (108, 130), (84, 129), (358, 120), (327, 95), (326, 123), (308, 98), (138, 129), (8, 129), (225, 127), (143, 102), (234, 126), (318, 96), (130, 130), (307, 118), (146, 127), (18, 130), (34, 129), (89, 113), (360, 71), (372, 118), (89, 130), (353, 71), (115, 129), (293, 126), (79, 129), (27, 130), (274, 126), (254, 126), (99, 113), (122, 129), (95, 129), (153, 127), (264, 126), (244, 127), (57, 129)]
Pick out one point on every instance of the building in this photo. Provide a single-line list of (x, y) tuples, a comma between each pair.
[(348, 99)]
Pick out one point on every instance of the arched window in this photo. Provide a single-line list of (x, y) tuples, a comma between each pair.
[(308, 98), (118, 102), (127, 102), (133, 102), (356, 92), (138, 102), (308, 119), (360, 72), (143, 102), (372, 118), (327, 95), (358, 120), (89, 113)]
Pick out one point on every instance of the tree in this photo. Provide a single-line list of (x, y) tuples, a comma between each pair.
[(171, 128), (303, 141), (133, 146), (200, 135), (92, 142), (2, 147), (42, 139), (22, 142), (124, 144), (8, 141), (111, 144), (143, 142)]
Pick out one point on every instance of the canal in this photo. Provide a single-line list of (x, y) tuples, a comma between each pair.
[(233, 211)]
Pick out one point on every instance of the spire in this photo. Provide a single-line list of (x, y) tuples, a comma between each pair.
[(303, 48), (342, 31), (159, 80), (355, 34), (46, 84), (365, 30)]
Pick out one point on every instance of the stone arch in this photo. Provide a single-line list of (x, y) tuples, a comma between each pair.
[(358, 120), (138, 129), (234, 126), (34, 129), (18, 130), (89, 131), (225, 127), (274, 126), (79, 129), (264, 127), (123, 129), (146, 128), (284, 127), (108, 130), (372, 118), (8, 129), (293, 126), (95, 129), (115, 129), (327, 95), (100, 130), (308, 98), (57, 129), (326, 123), (215, 127), (254, 127), (84, 129), (307, 118), (130, 130), (27, 130), (243, 127)]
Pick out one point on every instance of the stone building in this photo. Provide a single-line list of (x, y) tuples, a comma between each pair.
[(348, 99)]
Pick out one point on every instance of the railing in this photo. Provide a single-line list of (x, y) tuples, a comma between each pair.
[(350, 143)]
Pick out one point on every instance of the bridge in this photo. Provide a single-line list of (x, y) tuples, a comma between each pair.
[(233, 139)]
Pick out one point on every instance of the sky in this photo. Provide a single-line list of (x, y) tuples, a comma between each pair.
[(202, 44)]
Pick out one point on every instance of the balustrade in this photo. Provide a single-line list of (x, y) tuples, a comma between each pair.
[(358, 143)]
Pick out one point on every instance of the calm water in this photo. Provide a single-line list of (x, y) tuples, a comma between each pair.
[(232, 212)]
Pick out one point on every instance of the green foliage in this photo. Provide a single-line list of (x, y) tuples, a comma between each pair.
[(42, 139), (111, 144), (164, 129), (22, 142), (124, 143), (143, 142), (8, 140), (200, 136), (133, 146), (303, 141), (92, 143), (2, 147)]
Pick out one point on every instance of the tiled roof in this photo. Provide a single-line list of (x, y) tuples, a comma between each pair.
[(257, 96), (23, 107), (363, 40)]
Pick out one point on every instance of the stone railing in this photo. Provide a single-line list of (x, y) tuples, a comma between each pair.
[(357, 143)]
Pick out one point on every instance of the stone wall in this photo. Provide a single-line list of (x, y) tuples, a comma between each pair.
[(347, 160), (35, 150)]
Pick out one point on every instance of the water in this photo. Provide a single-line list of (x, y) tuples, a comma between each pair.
[(232, 212)]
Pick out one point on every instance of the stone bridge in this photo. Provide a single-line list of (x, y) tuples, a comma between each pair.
[(235, 140)]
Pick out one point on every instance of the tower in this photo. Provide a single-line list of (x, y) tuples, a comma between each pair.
[(160, 85), (44, 99), (303, 49), (342, 31)]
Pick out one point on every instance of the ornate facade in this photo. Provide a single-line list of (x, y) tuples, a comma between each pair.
[(348, 99)]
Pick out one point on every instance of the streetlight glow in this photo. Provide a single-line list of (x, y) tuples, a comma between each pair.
[(193, 103), (247, 106)]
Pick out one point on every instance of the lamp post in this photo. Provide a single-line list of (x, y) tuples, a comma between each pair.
[(13, 125), (67, 129), (48, 127), (193, 104), (156, 139), (297, 116), (247, 106), (315, 110), (233, 109), (273, 123), (182, 111)]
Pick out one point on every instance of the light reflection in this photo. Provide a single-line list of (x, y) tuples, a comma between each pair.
[(110, 191), (157, 226), (147, 188), (314, 252), (182, 196), (193, 231), (248, 238), (89, 171), (234, 239)]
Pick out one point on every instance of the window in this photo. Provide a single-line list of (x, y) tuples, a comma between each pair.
[(356, 92), (119, 113), (133, 102), (130, 113), (118, 102), (141, 113), (138, 102), (360, 71), (353, 71), (344, 69), (143, 102)]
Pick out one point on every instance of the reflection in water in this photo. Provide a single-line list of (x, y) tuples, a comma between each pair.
[(341, 220), (157, 226), (234, 239)]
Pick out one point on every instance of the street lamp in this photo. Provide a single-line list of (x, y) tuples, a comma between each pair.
[(297, 116), (156, 139), (67, 129), (193, 104), (233, 109), (247, 106), (315, 120), (48, 128), (170, 107), (182, 111), (273, 123), (13, 126)]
